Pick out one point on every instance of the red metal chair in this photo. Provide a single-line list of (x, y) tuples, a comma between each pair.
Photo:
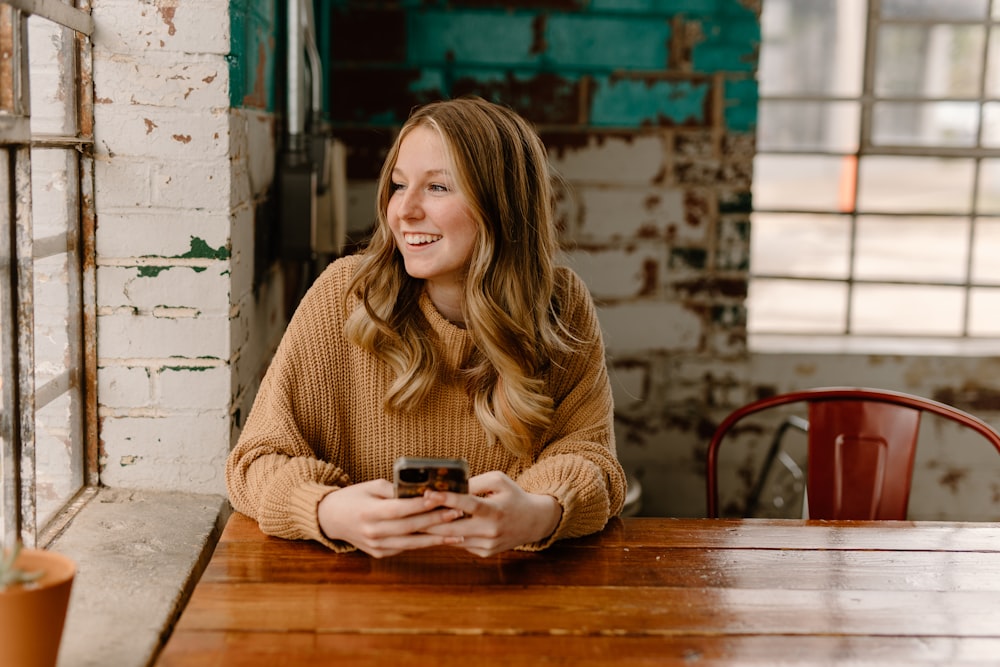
[(861, 445)]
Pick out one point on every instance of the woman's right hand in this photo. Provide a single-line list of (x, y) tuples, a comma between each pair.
[(368, 516)]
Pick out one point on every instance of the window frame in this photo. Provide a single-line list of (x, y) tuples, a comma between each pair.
[(866, 147), (22, 397)]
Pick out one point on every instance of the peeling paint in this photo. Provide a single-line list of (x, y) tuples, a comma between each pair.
[(151, 271), (201, 250), (166, 9)]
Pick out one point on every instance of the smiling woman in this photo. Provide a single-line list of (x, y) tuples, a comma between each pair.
[(431, 220), (373, 367)]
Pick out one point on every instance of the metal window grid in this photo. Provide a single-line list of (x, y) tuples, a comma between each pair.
[(866, 147), (20, 250)]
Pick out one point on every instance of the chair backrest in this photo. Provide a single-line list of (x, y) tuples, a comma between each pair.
[(861, 444)]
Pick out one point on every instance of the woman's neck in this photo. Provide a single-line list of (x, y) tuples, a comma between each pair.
[(448, 300)]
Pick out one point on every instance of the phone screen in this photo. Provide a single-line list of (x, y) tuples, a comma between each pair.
[(413, 476)]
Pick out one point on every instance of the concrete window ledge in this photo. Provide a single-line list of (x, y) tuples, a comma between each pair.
[(138, 555)]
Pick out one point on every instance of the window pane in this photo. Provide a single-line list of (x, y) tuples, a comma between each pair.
[(800, 245), (925, 124), (808, 126), (806, 182), (58, 425), (934, 9), (907, 310), (812, 46), (991, 125), (988, 200), (916, 249), (53, 104), (984, 312), (789, 306), (915, 185), (985, 264), (929, 60)]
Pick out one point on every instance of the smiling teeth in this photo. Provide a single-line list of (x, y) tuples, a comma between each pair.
[(420, 239)]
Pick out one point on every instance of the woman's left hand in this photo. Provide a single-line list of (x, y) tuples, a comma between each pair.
[(499, 515)]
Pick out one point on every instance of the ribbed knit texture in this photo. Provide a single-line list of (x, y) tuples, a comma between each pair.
[(318, 421)]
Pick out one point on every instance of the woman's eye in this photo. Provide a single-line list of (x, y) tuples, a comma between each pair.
[(393, 187), (437, 187)]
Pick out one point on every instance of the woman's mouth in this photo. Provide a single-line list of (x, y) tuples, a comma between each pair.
[(421, 239)]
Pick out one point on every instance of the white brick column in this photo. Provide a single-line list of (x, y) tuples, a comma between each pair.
[(177, 176)]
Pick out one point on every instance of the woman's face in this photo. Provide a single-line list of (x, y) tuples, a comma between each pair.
[(430, 219)]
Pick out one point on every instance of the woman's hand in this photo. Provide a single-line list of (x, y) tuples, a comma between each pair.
[(498, 515), (368, 516)]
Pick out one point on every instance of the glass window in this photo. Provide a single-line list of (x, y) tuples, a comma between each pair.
[(907, 310), (934, 9), (796, 306), (799, 182), (925, 123), (929, 60), (890, 184), (812, 47), (984, 314), (991, 125), (988, 199), (808, 126), (877, 200), (43, 167), (800, 244), (912, 249), (986, 253)]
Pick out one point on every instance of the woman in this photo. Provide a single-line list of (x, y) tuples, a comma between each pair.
[(452, 334)]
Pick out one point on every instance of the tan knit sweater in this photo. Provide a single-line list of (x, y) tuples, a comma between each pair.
[(318, 420)]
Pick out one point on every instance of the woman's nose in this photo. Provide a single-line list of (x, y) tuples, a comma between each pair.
[(409, 204)]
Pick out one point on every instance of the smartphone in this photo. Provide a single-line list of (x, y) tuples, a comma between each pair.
[(413, 476)]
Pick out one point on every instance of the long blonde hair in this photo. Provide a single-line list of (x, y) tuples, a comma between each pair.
[(501, 167)]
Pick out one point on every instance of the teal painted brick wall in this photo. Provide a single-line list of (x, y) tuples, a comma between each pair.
[(254, 42), (444, 49)]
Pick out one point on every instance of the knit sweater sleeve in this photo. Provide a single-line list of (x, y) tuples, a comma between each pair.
[(578, 463), (276, 473)]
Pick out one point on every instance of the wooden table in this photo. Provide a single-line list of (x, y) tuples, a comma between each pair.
[(644, 591)]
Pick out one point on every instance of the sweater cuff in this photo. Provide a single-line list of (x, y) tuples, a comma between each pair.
[(577, 485), (303, 512)]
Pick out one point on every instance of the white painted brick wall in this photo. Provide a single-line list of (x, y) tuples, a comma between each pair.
[(123, 335), (143, 233), (205, 290), (646, 326), (171, 452), (617, 274), (184, 26), (639, 160), (177, 174)]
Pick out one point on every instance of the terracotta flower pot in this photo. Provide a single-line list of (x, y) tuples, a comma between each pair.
[(32, 615)]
